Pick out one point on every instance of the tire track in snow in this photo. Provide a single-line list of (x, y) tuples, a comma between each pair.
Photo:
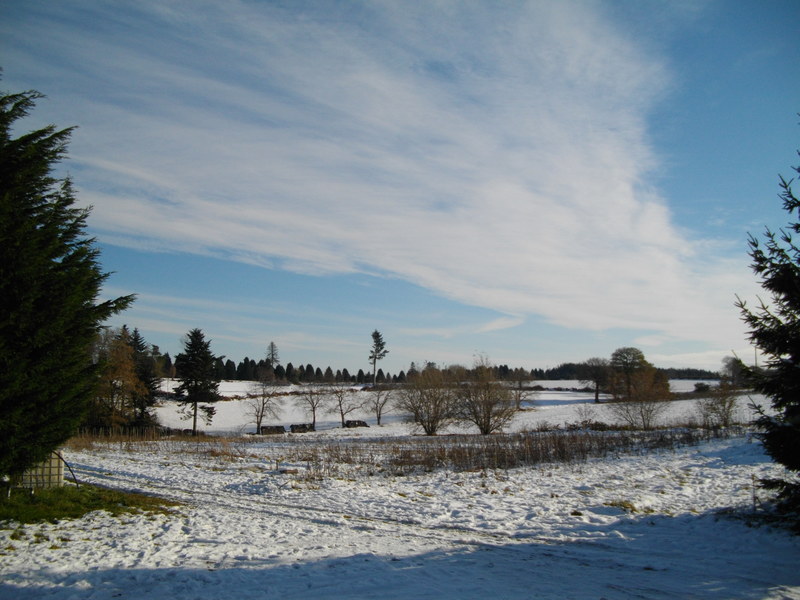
[(333, 518), (613, 553)]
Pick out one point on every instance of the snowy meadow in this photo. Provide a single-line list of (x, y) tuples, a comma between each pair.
[(336, 514)]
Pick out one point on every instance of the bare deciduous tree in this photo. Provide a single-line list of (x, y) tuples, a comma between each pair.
[(645, 400), (264, 401), (312, 400), (344, 401), (522, 390), (485, 402), (719, 408), (595, 372), (428, 399), (118, 384), (379, 400)]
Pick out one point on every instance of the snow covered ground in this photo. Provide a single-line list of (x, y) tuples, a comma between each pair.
[(559, 404), (670, 524)]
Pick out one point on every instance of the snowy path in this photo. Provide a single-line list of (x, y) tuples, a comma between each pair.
[(550, 532)]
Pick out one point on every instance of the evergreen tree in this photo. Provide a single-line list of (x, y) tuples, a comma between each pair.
[(198, 390), (272, 355), (265, 372), (246, 371), (219, 367), (230, 370), (50, 281), (144, 358), (167, 368), (775, 331), (378, 352)]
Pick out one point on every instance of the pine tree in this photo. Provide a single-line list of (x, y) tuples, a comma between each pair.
[(198, 390), (280, 373), (219, 368), (230, 370), (167, 368), (272, 355), (378, 351), (50, 281), (775, 331), (144, 358)]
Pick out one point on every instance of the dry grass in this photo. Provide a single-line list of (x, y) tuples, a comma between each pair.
[(143, 441), (502, 451), (326, 458)]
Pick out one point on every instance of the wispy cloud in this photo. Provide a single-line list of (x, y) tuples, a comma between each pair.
[(496, 154)]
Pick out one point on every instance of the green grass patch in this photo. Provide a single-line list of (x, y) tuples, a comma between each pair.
[(71, 502)]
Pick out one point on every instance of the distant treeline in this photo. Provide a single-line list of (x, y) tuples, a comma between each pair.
[(251, 370), (574, 370)]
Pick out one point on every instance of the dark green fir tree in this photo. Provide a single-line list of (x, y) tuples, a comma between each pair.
[(377, 352), (196, 370), (145, 359), (775, 330), (50, 283)]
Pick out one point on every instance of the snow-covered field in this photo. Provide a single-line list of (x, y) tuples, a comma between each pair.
[(559, 404), (671, 524)]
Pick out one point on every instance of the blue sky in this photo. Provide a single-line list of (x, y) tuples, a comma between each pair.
[(536, 182)]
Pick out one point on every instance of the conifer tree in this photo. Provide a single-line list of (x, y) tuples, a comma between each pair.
[(198, 390), (230, 370), (145, 359), (775, 331), (377, 352), (272, 355), (50, 282), (167, 368)]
